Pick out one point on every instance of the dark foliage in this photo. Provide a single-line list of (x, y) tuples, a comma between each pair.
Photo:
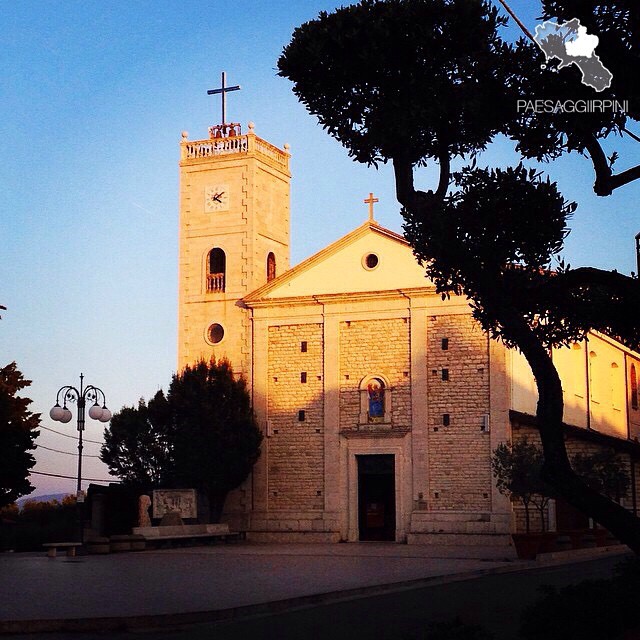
[(400, 78), (137, 446), (215, 438), (37, 523), (18, 432), (202, 435), (604, 472)]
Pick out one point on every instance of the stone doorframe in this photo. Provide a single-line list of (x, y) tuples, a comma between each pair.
[(400, 448)]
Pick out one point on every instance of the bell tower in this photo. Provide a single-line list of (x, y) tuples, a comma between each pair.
[(234, 237)]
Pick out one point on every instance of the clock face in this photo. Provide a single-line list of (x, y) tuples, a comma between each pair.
[(216, 198)]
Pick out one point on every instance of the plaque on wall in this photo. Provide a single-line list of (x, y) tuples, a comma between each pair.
[(182, 501)]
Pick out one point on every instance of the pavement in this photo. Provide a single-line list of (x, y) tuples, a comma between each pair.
[(195, 585)]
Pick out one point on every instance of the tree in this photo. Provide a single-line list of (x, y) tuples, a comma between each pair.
[(18, 432), (137, 446), (215, 440), (202, 435), (403, 81), (604, 472), (517, 468)]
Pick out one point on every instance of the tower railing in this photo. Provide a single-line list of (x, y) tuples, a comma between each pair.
[(247, 143)]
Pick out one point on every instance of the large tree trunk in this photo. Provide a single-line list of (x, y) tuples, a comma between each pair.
[(557, 470)]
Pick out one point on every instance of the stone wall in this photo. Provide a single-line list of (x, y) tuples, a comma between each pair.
[(460, 452), (375, 348), (295, 446)]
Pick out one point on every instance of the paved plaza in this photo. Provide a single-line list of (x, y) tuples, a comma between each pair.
[(224, 581)]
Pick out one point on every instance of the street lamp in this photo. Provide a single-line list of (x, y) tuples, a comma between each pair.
[(93, 395)]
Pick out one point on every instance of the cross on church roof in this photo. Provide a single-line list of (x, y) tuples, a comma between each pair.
[(223, 90), (370, 200)]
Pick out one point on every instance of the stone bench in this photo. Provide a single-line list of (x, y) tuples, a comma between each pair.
[(52, 548), (184, 532)]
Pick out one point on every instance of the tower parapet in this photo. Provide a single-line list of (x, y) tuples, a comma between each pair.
[(249, 144)]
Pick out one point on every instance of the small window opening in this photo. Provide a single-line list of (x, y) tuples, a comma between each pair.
[(216, 271), (445, 374), (371, 261), (215, 333), (445, 344), (303, 347), (301, 415), (303, 376), (271, 266)]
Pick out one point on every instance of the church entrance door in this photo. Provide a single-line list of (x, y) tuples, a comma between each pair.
[(376, 497)]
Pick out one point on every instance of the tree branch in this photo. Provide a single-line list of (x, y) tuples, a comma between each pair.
[(602, 186), (405, 191), (445, 174), (625, 177), (606, 180)]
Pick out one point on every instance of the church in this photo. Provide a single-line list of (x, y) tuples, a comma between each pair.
[(380, 402)]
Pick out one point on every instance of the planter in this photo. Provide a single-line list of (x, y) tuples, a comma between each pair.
[(601, 537), (548, 542), (527, 545)]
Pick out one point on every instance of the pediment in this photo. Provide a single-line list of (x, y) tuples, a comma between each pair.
[(369, 259)]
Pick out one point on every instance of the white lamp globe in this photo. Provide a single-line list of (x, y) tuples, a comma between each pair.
[(65, 415), (106, 415), (95, 413), (56, 413)]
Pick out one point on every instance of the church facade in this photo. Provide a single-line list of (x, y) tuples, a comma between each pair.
[(380, 403)]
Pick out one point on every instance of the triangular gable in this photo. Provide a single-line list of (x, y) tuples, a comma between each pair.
[(341, 268)]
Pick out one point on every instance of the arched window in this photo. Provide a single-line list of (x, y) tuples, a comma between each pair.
[(375, 400), (216, 270), (271, 267), (634, 387)]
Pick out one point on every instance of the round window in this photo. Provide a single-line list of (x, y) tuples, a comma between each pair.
[(370, 261), (215, 333)]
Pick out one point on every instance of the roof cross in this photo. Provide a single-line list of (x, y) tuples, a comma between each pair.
[(370, 201), (223, 90)]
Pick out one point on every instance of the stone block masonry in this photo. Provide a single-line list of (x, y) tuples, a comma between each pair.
[(375, 348), (458, 388), (295, 447)]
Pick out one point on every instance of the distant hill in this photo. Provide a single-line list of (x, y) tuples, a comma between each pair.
[(45, 498)]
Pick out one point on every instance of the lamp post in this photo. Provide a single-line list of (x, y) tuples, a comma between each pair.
[(94, 395)]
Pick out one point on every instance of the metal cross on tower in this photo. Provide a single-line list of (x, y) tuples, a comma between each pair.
[(223, 90), (370, 201)]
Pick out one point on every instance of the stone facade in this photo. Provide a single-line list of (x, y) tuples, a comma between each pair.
[(458, 399), (295, 418)]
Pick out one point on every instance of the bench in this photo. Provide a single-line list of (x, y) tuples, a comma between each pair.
[(52, 548), (186, 532)]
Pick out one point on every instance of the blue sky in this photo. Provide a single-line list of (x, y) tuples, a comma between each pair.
[(95, 96)]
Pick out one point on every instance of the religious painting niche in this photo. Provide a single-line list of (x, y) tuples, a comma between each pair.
[(375, 397)]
